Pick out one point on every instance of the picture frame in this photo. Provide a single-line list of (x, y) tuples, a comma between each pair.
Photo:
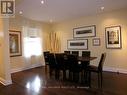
[(15, 46), (86, 31), (96, 42), (77, 44), (113, 37)]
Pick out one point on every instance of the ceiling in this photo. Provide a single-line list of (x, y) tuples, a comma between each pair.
[(60, 10)]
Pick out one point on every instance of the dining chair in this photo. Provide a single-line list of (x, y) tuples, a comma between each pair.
[(61, 66), (75, 53), (52, 65), (86, 53), (74, 67), (84, 65), (67, 52), (45, 53), (97, 69)]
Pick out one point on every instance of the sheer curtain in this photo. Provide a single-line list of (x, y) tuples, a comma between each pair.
[(32, 45)]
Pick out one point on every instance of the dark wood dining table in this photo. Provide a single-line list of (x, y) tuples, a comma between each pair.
[(81, 58)]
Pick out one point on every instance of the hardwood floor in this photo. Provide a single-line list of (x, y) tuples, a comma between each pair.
[(35, 82)]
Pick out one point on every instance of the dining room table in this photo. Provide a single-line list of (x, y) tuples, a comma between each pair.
[(82, 58)]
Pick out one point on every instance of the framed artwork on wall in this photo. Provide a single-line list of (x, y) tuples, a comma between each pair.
[(113, 37), (77, 44), (86, 31), (96, 42), (15, 43)]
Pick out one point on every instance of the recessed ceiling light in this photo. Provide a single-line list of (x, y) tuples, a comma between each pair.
[(42, 2), (102, 8), (20, 12)]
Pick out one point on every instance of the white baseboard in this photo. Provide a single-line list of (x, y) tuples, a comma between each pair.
[(5, 82), (25, 68), (111, 69)]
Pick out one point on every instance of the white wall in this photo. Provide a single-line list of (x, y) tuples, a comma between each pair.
[(5, 75)]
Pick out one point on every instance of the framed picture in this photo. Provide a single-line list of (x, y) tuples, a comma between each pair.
[(86, 31), (15, 43), (113, 37), (96, 42), (75, 44)]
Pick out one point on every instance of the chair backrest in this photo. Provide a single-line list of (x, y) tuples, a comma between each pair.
[(75, 53), (101, 63), (46, 55), (72, 61), (52, 60), (86, 53), (60, 60), (67, 52)]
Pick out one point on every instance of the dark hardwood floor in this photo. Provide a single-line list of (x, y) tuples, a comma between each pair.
[(36, 82)]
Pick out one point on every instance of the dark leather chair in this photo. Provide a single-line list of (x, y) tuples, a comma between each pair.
[(74, 67), (75, 53), (45, 53), (46, 57), (97, 69), (67, 52), (86, 53), (52, 65), (61, 65), (84, 65)]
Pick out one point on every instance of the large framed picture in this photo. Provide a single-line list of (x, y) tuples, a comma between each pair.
[(113, 37), (15, 43), (76, 44), (86, 31)]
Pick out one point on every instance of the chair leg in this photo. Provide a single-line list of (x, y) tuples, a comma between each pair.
[(57, 74), (89, 79), (64, 74), (101, 78), (47, 71), (98, 80), (50, 72), (70, 75)]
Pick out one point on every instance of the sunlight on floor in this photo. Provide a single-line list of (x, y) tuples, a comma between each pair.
[(35, 84)]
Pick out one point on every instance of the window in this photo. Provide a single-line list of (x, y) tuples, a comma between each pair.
[(32, 46)]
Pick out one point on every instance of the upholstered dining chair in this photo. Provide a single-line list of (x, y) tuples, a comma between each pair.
[(67, 52), (45, 53), (75, 53), (52, 64), (84, 65), (86, 53), (97, 69), (61, 65), (74, 67)]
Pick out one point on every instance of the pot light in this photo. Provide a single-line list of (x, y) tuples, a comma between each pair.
[(20, 12), (102, 8), (42, 2)]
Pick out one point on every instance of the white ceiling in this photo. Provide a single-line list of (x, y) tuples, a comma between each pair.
[(59, 10)]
